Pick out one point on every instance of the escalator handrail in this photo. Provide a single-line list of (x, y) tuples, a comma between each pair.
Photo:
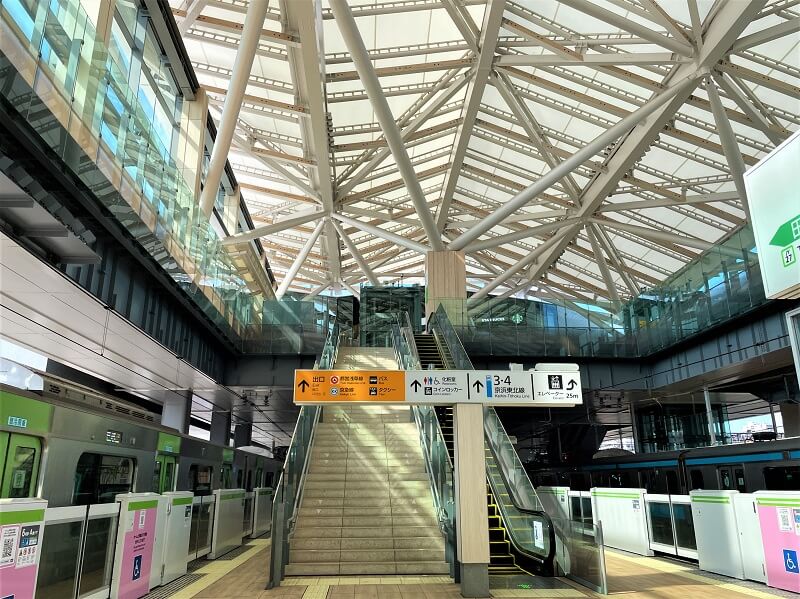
[(441, 320), (548, 559)]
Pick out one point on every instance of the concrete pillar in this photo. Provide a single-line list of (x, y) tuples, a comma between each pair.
[(790, 413), (446, 279), (712, 435), (243, 434), (220, 427), (177, 411), (472, 514)]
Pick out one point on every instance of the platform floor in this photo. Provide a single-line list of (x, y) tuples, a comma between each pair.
[(242, 574)]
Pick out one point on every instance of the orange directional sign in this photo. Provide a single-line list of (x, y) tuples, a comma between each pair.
[(340, 386)]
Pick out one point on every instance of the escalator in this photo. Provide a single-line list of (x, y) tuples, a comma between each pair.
[(505, 559)]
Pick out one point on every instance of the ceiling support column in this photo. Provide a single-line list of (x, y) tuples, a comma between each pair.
[(730, 146), (351, 247), (253, 24), (513, 269), (298, 262), (366, 72), (605, 272)]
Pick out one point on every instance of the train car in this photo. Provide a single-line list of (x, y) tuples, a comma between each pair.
[(746, 467), (74, 446)]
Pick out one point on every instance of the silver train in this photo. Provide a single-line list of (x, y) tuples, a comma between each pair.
[(74, 446)]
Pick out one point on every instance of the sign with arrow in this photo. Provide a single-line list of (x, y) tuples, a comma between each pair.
[(774, 199), (556, 388), (348, 386), (436, 386), (556, 385), (500, 387)]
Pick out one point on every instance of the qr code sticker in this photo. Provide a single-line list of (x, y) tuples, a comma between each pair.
[(8, 543)]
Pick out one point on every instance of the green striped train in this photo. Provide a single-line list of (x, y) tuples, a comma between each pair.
[(73, 446)]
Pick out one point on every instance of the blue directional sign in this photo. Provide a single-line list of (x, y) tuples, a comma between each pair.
[(790, 561)]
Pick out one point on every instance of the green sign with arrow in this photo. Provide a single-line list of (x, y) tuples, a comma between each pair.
[(787, 233)]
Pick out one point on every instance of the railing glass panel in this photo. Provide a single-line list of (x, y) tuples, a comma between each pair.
[(577, 547), (288, 491)]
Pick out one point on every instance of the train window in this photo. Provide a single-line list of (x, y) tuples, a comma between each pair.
[(99, 478), (156, 484), (725, 481), (697, 479), (785, 478), (270, 478), (20, 465), (672, 482), (738, 474), (225, 475), (200, 478)]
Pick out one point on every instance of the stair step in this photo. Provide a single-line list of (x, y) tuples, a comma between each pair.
[(366, 568)]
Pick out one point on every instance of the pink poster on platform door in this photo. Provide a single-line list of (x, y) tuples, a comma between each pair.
[(19, 557), (780, 533), (137, 553)]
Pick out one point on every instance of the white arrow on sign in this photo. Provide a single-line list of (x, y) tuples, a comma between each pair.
[(553, 389), (500, 387), (436, 386)]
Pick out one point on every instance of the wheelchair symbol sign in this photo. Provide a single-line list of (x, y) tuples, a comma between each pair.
[(137, 567), (790, 561)]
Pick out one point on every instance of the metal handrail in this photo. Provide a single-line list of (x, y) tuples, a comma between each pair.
[(283, 526), (461, 360)]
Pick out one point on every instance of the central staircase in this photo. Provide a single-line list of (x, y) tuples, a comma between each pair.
[(367, 506)]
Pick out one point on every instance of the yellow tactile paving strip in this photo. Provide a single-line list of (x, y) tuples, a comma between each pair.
[(216, 569), (634, 576)]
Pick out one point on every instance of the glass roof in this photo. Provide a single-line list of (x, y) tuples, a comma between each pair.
[(488, 98)]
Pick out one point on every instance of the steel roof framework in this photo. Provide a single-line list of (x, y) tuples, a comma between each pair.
[(570, 148)]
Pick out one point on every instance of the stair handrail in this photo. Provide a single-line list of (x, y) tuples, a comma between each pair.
[(408, 359), (291, 485)]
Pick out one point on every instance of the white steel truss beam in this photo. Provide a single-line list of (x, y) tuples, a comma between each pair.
[(351, 247), (352, 38), (256, 12), (596, 11), (732, 152), (657, 103), (666, 237), (589, 60), (383, 234), (492, 17), (299, 260), (767, 35), (605, 272), (264, 230)]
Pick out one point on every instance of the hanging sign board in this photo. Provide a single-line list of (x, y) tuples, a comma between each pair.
[(435, 386), (774, 199), (547, 389), (557, 387), (348, 386), (501, 387)]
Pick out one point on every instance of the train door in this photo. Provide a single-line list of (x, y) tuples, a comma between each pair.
[(20, 466), (168, 468), (164, 473)]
